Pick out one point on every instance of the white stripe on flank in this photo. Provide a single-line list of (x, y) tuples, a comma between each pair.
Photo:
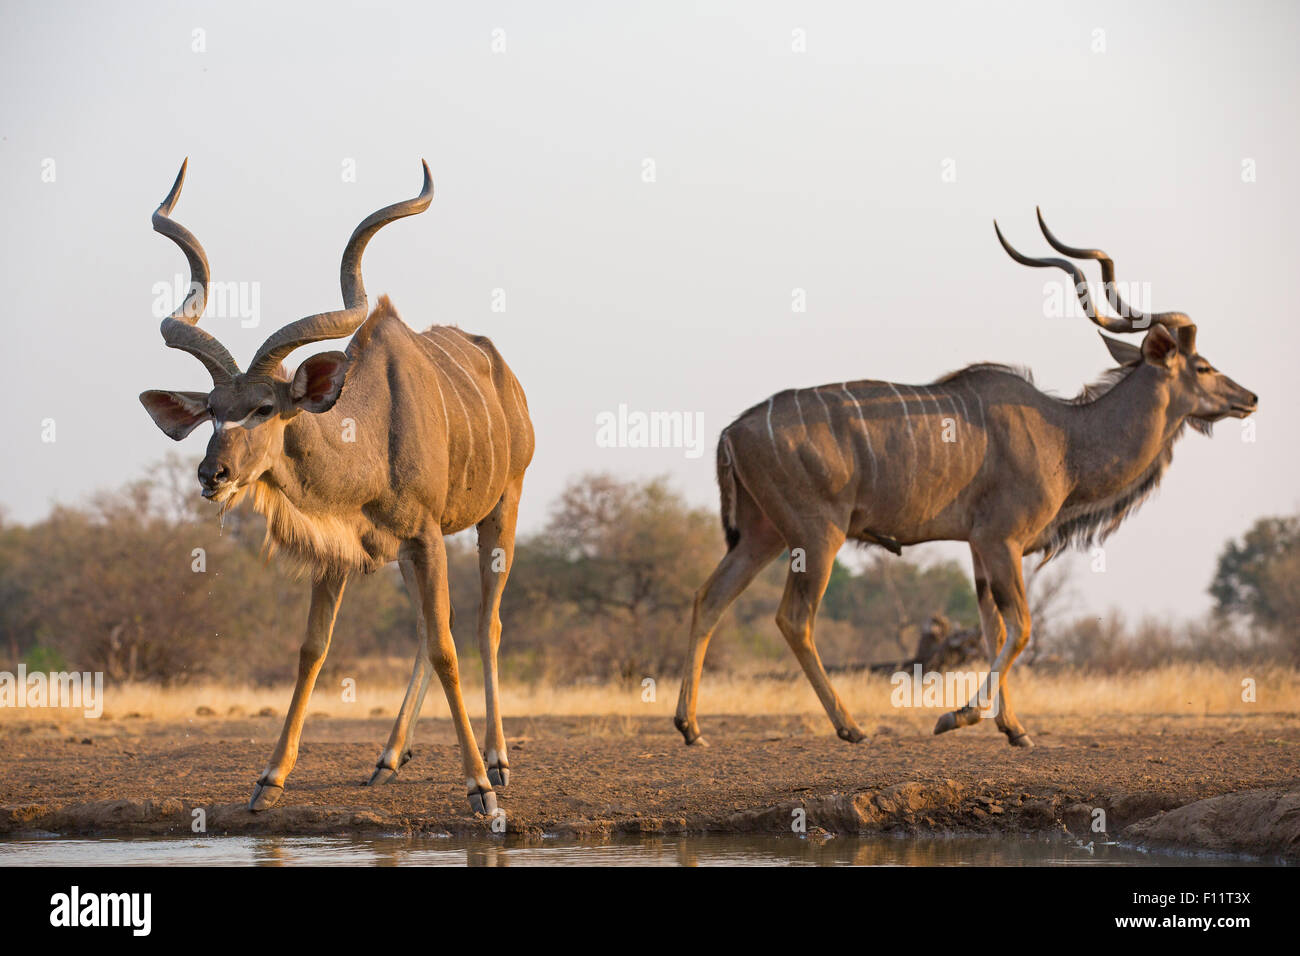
[(464, 411), (940, 409), (906, 418), (492, 366), (925, 411), (469, 341), (921, 400), (830, 428), (957, 424), (966, 430), (771, 436), (931, 440), (799, 408), (964, 410), (516, 394), (492, 454), (446, 419), (826, 408), (866, 431)]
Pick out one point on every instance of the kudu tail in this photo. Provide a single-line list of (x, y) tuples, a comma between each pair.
[(728, 491)]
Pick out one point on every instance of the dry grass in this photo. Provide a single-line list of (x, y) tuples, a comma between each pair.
[(1188, 690)]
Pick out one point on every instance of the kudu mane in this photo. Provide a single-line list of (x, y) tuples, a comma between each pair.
[(1082, 527), (313, 543), (320, 542)]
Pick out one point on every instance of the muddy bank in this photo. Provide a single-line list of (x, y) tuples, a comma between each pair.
[(1218, 784), (1257, 822)]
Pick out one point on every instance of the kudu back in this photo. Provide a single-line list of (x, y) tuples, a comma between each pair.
[(360, 458), (980, 456)]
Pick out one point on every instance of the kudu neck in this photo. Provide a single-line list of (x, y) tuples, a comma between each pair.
[(1119, 436), (287, 475)]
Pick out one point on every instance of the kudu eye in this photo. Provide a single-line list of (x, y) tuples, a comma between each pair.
[(266, 410)]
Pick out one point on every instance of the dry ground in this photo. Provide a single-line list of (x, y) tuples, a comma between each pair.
[(626, 770)]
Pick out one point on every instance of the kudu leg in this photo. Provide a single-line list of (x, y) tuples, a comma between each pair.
[(1005, 622), (326, 595), (803, 594), (496, 554), (995, 634), (430, 563), (398, 749), (759, 544)]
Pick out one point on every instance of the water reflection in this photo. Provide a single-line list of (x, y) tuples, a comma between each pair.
[(694, 850)]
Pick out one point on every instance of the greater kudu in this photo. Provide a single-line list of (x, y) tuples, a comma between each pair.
[(980, 456), (358, 459)]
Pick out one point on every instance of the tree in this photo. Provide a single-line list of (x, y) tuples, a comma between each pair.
[(616, 569), (1259, 578)]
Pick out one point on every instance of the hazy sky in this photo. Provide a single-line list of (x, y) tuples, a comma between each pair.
[(864, 170)]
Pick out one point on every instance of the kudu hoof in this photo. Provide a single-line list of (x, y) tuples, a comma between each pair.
[(499, 776), (386, 774), (483, 801), (690, 732), (265, 796), (956, 718), (852, 734), (1020, 740)]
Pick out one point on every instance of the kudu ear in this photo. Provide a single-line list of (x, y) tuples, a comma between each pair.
[(1159, 347), (319, 381), (176, 413), (1121, 351)]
